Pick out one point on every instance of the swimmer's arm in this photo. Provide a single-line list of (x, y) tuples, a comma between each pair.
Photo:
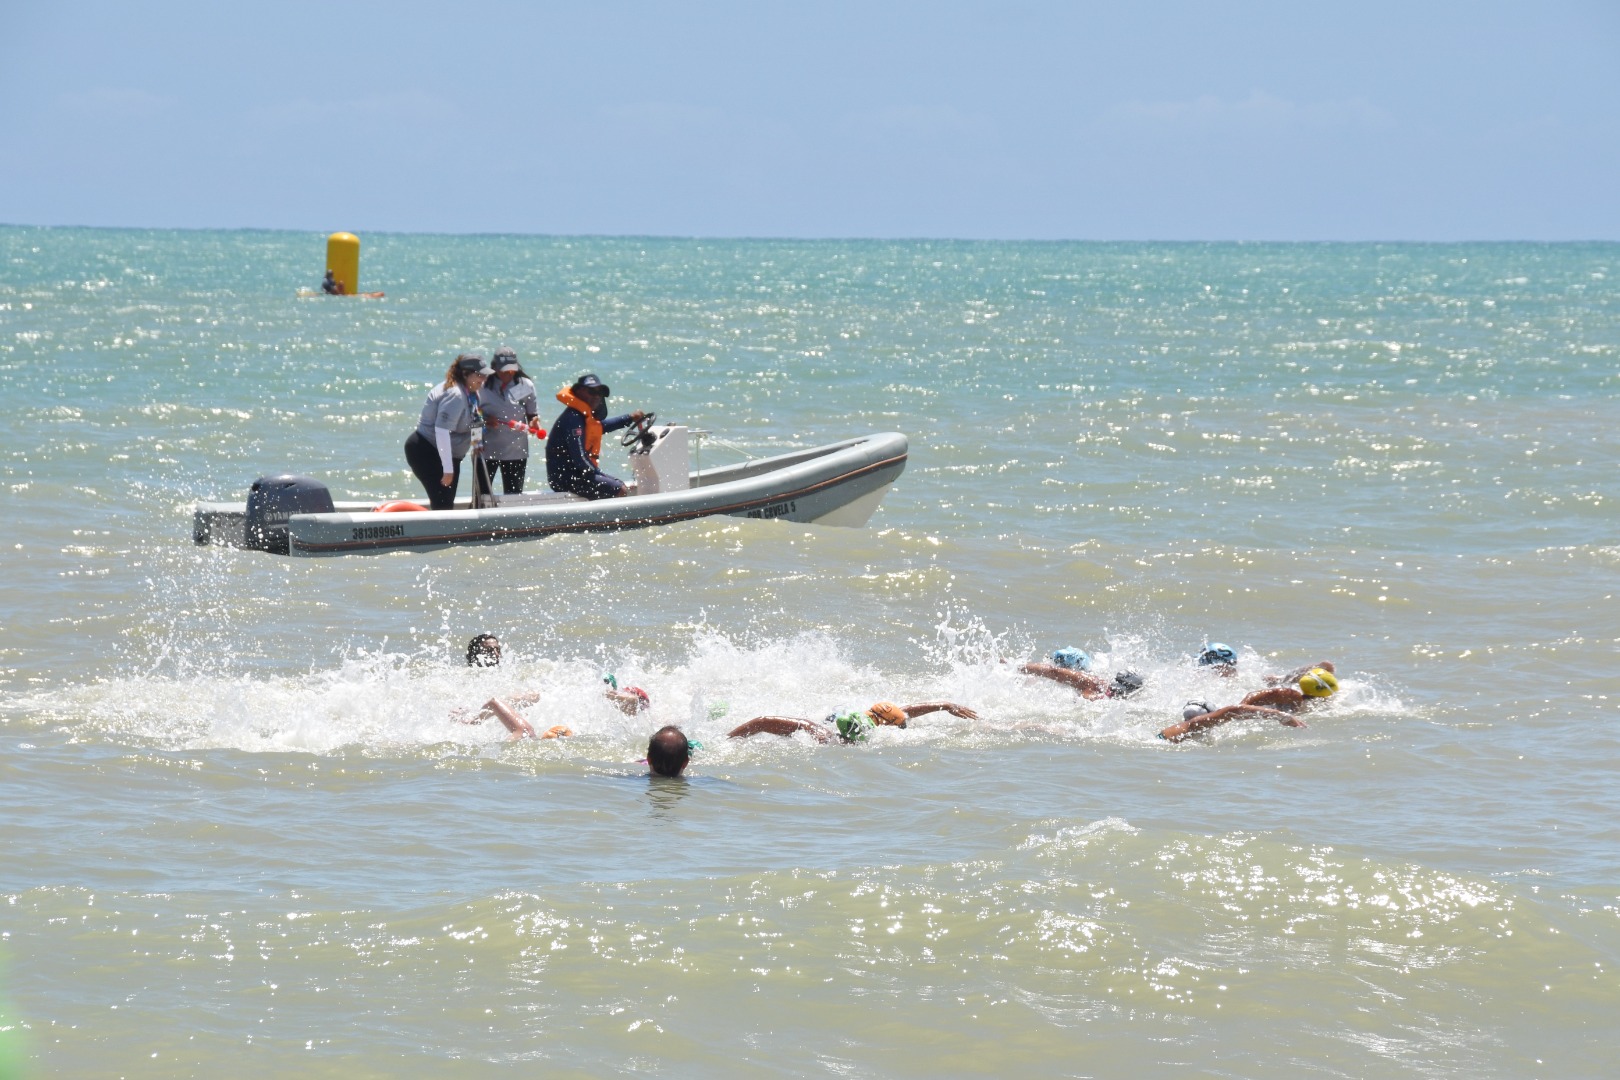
[(1294, 676), (1177, 732), (1088, 686), (518, 726), (486, 712), (779, 725), (926, 707), (626, 701)]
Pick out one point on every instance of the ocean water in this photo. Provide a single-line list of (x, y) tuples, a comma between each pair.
[(241, 833)]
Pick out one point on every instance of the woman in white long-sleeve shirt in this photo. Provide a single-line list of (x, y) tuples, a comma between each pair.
[(444, 433)]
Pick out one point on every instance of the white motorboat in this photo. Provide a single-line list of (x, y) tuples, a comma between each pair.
[(840, 483)]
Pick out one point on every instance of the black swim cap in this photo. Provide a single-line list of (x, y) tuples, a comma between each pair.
[(484, 651), (1126, 683)]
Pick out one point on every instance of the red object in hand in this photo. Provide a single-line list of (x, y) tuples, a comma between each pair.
[(537, 431)]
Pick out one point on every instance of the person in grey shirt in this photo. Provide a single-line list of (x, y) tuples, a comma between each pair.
[(508, 398), (444, 433)]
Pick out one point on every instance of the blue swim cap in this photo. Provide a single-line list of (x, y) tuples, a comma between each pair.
[(1072, 658), (1216, 654)]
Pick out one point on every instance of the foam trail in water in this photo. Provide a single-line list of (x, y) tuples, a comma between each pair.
[(389, 702)]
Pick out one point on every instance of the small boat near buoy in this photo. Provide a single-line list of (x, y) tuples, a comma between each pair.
[(840, 483)]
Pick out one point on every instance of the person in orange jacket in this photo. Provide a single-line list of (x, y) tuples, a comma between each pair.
[(574, 449)]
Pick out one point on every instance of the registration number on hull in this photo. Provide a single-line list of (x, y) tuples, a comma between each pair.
[(377, 532), (775, 510)]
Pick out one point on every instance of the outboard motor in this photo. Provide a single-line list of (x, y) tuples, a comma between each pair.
[(274, 499)]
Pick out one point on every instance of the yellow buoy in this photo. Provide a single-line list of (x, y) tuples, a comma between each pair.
[(343, 260)]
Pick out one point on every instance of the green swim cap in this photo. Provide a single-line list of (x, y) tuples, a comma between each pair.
[(852, 725)]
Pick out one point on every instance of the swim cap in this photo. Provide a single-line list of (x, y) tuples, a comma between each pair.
[(484, 650), (1072, 658), (610, 680), (1126, 683), (1216, 654), (887, 712), (852, 726), (1195, 708), (1318, 682)]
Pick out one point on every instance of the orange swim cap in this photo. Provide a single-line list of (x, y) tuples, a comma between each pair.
[(887, 712)]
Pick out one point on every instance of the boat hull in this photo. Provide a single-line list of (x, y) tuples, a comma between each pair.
[(838, 484)]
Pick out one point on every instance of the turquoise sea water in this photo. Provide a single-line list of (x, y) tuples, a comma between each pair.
[(241, 833)]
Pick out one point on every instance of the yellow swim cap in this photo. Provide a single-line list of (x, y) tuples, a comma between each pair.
[(1318, 682), (887, 712)]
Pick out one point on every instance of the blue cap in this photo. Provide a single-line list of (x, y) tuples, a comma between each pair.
[(1217, 654), (1072, 658)]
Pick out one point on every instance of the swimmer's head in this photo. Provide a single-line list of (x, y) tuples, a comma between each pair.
[(1318, 682), (1125, 684), (1195, 708), (888, 713), (1073, 659), (484, 651), (1217, 655), (668, 751)]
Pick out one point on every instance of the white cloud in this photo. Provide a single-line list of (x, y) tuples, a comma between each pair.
[(411, 107), (920, 121), (1259, 111), (115, 103), (659, 116)]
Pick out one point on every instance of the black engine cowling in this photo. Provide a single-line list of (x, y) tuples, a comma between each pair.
[(274, 499)]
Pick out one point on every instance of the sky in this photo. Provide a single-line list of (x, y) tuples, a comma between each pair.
[(1164, 120)]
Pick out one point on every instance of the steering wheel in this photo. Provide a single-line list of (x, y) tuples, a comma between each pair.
[(637, 431)]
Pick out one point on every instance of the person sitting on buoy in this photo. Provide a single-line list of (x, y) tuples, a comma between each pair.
[(331, 286), (1072, 667), (574, 449), (848, 725)]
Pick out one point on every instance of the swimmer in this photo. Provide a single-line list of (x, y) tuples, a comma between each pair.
[(630, 700), (668, 751), (1294, 676), (1072, 668), (484, 650), (849, 725), (1197, 716), (1315, 686), (1222, 658)]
